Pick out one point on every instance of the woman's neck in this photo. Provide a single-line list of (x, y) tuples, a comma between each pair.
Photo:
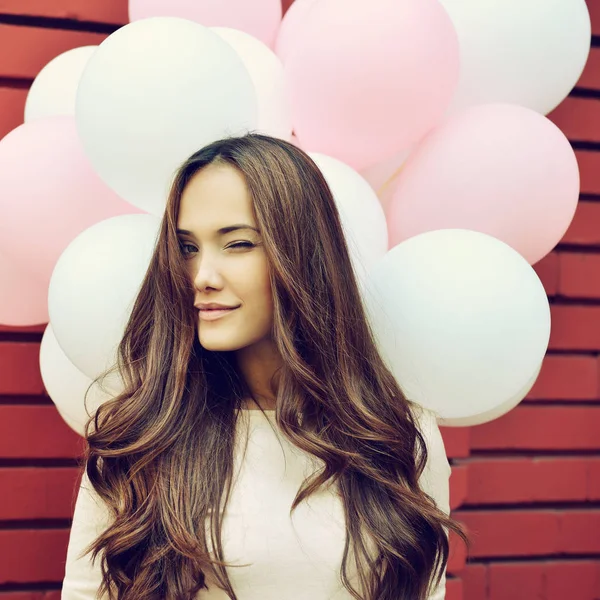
[(258, 365)]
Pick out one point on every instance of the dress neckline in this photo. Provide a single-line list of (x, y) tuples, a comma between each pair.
[(270, 411)]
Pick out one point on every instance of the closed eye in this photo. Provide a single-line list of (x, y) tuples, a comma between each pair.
[(183, 246), (241, 245)]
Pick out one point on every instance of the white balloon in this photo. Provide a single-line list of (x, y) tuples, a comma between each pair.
[(155, 92), (527, 52), (266, 72), (75, 424), (361, 213), (93, 287), (461, 318), (66, 385), (54, 89), (495, 412)]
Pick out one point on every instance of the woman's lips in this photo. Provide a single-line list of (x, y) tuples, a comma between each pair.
[(213, 313)]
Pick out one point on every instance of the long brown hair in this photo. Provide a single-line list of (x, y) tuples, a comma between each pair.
[(160, 454)]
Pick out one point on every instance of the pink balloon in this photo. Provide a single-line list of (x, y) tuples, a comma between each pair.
[(49, 194), (291, 26), (260, 18), (294, 140), (23, 298), (499, 169), (369, 79)]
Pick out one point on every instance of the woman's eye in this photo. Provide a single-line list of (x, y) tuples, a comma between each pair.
[(185, 252), (183, 246), (241, 245)]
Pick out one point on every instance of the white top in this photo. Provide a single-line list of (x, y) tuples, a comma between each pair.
[(297, 558)]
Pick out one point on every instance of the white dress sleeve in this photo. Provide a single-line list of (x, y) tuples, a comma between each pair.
[(90, 518), (435, 479)]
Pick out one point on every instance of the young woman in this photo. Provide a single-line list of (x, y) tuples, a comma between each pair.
[(260, 448)]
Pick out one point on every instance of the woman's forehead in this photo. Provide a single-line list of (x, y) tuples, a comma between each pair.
[(214, 198)]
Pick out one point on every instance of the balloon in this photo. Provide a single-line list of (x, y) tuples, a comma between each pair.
[(75, 424), (49, 193), (382, 177), (294, 140), (66, 385), (23, 299), (529, 53), (362, 217), (290, 30), (266, 71), (368, 79), (497, 411), (54, 89), (461, 319), (155, 92), (259, 18), (500, 169), (94, 286)]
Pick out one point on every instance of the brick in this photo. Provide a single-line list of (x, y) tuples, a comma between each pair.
[(454, 589), (516, 581), (285, 4), (590, 78), (497, 533), (560, 580), (541, 428), (575, 327), (512, 533), (458, 485), (20, 369), (37, 432), (578, 118), (521, 480), (579, 275), (593, 487), (27, 556), (38, 493), (589, 171), (101, 11), (456, 441), (547, 271), (51, 595), (567, 377), (475, 582), (585, 227), (458, 554), (575, 580), (24, 51), (38, 328), (594, 10), (580, 532), (12, 106)]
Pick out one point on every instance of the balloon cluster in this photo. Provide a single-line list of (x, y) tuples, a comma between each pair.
[(427, 118)]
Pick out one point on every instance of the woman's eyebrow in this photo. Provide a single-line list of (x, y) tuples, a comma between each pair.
[(224, 230)]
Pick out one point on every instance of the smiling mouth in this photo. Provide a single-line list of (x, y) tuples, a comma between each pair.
[(211, 314)]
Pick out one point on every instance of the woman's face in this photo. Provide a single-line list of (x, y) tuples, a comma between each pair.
[(227, 266)]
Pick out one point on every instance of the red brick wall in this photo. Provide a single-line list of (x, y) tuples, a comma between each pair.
[(532, 498), (527, 485)]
